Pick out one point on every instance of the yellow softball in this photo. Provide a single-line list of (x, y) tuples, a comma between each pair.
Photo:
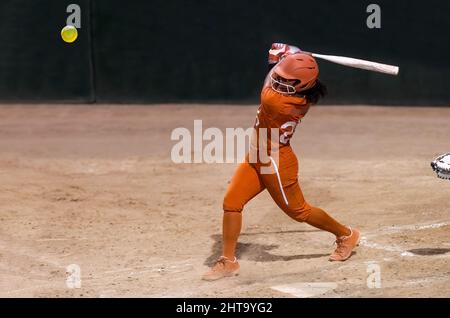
[(69, 33)]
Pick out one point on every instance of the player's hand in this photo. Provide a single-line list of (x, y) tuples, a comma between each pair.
[(279, 50)]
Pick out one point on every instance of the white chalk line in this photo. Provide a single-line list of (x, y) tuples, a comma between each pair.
[(413, 282), (389, 248), (410, 227), (398, 229)]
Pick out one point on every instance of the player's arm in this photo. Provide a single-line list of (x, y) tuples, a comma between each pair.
[(276, 53)]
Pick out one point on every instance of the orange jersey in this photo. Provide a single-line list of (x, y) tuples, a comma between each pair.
[(280, 111)]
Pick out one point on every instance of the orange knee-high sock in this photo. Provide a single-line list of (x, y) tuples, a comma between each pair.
[(231, 228), (321, 220)]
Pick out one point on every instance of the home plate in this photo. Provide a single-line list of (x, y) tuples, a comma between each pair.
[(304, 290)]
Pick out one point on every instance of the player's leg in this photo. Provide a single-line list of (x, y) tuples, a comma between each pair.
[(322, 220), (301, 211), (284, 188), (244, 186), (298, 209)]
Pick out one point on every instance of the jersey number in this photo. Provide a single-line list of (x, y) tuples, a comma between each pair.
[(288, 129)]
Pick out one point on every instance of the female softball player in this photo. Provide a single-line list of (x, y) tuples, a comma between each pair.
[(291, 86)]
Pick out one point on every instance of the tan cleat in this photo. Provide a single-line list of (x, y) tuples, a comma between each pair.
[(223, 268), (345, 246)]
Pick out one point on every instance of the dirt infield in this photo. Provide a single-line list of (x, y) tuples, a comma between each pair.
[(95, 186)]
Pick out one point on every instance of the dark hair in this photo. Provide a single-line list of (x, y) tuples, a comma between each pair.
[(315, 93)]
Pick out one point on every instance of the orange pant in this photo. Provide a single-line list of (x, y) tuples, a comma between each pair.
[(248, 182)]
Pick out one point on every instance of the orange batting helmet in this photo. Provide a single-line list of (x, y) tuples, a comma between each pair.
[(298, 72)]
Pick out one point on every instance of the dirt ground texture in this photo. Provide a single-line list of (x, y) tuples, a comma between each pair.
[(95, 186)]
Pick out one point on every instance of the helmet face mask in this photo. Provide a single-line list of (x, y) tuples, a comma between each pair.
[(282, 85)]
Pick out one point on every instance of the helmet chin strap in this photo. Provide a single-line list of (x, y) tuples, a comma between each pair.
[(290, 90)]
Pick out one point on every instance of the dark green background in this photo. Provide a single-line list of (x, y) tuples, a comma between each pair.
[(215, 51)]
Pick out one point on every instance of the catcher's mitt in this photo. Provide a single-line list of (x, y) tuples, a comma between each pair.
[(442, 166)]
